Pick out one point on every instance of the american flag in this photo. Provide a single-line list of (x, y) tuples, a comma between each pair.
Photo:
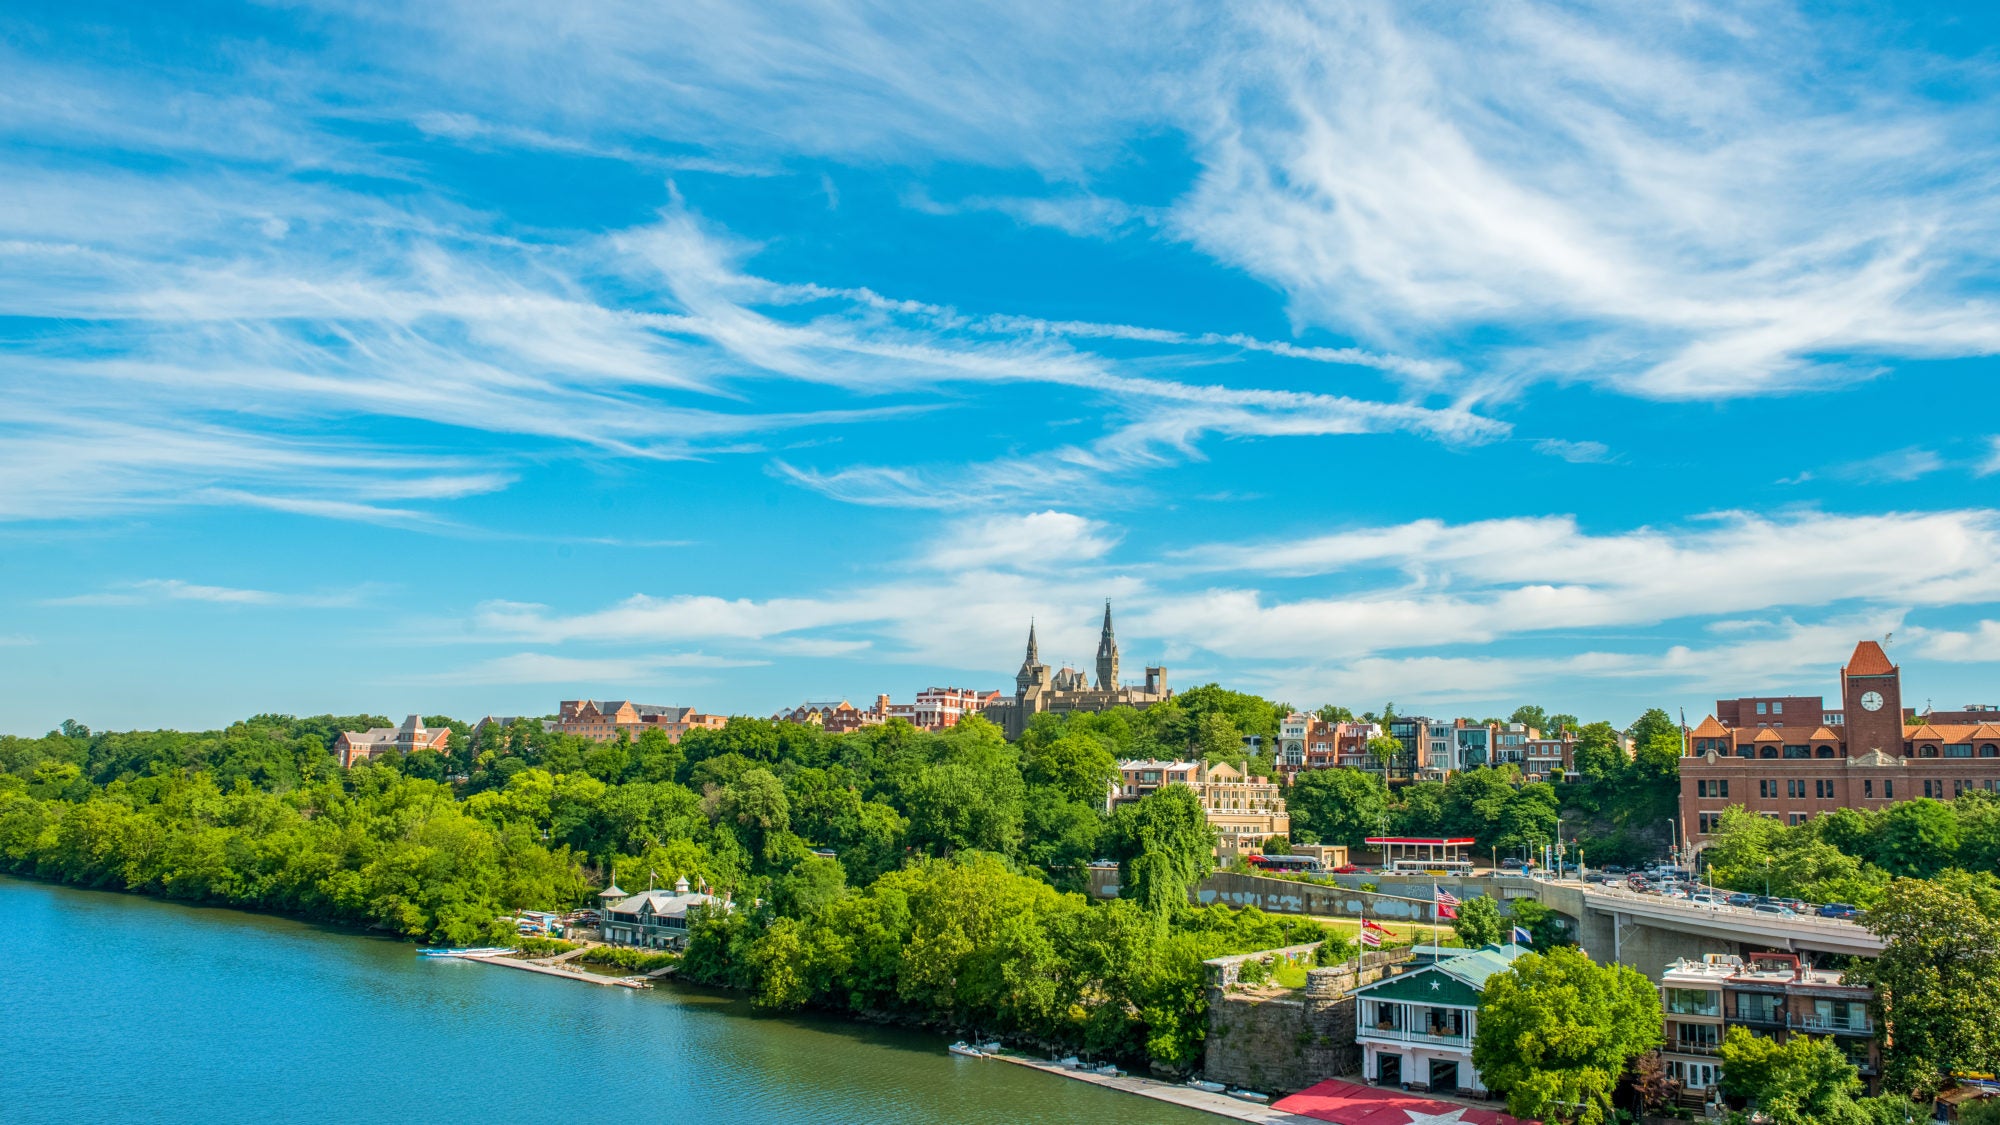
[(1447, 905)]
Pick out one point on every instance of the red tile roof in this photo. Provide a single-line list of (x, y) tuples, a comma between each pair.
[(1869, 660)]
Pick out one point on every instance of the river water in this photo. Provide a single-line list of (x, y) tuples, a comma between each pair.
[(120, 1008)]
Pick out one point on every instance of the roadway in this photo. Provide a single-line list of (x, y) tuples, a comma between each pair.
[(1798, 933)]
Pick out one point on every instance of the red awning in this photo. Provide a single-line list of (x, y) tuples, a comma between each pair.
[(1461, 840), (1345, 1103)]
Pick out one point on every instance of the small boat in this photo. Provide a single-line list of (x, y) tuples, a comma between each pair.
[(1250, 1095), (1205, 1084), (1107, 1070), (964, 1049), (486, 951), (1067, 1062), (990, 1047)]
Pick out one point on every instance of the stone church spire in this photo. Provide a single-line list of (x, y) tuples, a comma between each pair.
[(1032, 671), (1107, 654)]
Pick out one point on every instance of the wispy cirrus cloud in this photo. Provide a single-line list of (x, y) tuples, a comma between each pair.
[(163, 590)]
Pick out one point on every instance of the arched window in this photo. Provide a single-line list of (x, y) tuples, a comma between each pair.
[(1926, 751), (1988, 750), (1823, 752), (1768, 752)]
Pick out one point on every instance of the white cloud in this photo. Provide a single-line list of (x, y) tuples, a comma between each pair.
[(1038, 541), (1897, 466), (1980, 643), (157, 590), (544, 668), (1575, 452)]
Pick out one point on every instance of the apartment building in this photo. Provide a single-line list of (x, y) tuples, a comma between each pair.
[(1245, 810), (1773, 994), (1791, 757)]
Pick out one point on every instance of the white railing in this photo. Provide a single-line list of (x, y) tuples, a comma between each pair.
[(1861, 1026), (1401, 1036)]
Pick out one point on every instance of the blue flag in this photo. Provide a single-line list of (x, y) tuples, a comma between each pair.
[(1522, 937)]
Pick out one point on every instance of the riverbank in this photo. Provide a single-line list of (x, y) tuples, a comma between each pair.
[(1220, 1105)]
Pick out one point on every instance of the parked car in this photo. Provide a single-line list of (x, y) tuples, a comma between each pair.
[(1348, 869), (1839, 910), (1512, 864), (1613, 869), (1773, 908), (1742, 898)]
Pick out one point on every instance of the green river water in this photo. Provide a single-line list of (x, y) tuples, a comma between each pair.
[(119, 1008)]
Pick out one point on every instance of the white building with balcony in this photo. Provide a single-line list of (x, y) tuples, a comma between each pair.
[(1416, 1028)]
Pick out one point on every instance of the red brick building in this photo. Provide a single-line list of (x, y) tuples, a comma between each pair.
[(1791, 757)]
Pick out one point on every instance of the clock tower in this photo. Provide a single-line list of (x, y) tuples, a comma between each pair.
[(1871, 694)]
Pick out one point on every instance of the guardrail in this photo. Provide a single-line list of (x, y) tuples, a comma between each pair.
[(1829, 926)]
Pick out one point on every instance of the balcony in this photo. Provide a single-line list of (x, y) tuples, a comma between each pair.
[(1761, 1017), (1705, 1050), (1834, 1025), (1421, 1038)]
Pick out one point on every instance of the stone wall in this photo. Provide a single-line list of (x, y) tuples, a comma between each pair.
[(1282, 1043)]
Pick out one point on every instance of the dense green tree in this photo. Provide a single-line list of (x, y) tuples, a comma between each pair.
[(1330, 713), (1937, 981), (1532, 716), (1385, 751), (1556, 1031), (1597, 754), (1802, 1081), (1478, 922), (1917, 838), (1079, 767), (1339, 806), (1164, 845), (1420, 812)]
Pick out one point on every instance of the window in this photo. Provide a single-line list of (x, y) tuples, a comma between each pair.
[(1763, 708), (1711, 788), (1693, 1002), (1988, 750), (1823, 752), (1709, 821), (1888, 789), (1958, 750), (1777, 708), (1768, 752), (1927, 752), (1798, 751), (1957, 787), (1798, 818), (1746, 751), (1868, 788), (1795, 787), (1927, 787), (1767, 788), (1823, 788)]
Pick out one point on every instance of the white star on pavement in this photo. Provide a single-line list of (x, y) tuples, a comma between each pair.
[(1455, 1117)]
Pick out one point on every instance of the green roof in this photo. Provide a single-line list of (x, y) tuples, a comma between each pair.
[(1456, 982)]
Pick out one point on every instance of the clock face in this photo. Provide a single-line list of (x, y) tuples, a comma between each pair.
[(1872, 700)]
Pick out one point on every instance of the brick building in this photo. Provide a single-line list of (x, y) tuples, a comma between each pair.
[(604, 720), (1792, 757), (365, 745)]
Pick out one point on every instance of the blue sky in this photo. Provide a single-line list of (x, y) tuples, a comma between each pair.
[(462, 358)]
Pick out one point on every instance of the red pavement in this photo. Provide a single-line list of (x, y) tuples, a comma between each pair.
[(1345, 1103)]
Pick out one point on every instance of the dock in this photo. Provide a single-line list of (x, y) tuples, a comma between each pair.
[(1222, 1105), (553, 971)]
